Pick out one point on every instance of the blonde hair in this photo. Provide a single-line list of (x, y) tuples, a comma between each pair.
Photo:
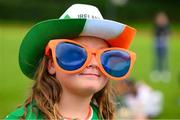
[(47, 90)]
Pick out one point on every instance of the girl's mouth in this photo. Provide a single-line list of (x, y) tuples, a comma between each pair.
[(90, 74)]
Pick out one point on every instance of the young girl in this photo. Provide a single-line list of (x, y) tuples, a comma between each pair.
[(72, 60)]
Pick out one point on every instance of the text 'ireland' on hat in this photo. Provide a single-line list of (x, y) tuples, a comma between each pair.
[(78, 20)]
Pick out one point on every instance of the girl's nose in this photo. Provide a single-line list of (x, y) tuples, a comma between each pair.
[(93, 61)]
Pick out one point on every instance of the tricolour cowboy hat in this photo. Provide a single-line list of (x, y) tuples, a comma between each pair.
[(78, 20)]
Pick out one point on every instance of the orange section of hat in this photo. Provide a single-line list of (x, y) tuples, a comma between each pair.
[(124, 39)]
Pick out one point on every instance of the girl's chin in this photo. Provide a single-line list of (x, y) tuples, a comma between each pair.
[(91, 83)]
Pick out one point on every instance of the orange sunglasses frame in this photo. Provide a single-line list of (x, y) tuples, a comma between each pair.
[(52, 45)]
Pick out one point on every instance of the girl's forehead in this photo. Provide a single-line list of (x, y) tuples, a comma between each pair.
[(92, 42)]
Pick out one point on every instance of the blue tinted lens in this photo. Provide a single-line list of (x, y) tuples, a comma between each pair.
[(70, 56), (115, 62)]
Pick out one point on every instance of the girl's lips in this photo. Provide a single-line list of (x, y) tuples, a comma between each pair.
[(90, 74)]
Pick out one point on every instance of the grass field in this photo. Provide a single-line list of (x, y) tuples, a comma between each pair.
[(14, 86)]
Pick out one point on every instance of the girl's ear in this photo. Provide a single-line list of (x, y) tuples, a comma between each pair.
[(51, 67)]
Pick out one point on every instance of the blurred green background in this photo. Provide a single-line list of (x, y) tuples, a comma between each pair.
[(17, 16)]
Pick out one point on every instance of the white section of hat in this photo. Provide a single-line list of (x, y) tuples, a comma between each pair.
[(104, 29), (82, 11)]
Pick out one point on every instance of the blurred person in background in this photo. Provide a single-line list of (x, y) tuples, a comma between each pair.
[(138, 100), (161, 34)]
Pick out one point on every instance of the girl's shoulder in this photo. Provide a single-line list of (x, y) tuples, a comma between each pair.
[(15, 114), (32, 113)]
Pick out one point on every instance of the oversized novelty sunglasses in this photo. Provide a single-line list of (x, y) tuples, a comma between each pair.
[(72, 57)]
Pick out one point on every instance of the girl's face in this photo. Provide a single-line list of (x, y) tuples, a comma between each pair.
[(91, 79)]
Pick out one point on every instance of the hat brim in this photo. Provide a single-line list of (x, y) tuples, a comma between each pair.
[(33, 45)]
